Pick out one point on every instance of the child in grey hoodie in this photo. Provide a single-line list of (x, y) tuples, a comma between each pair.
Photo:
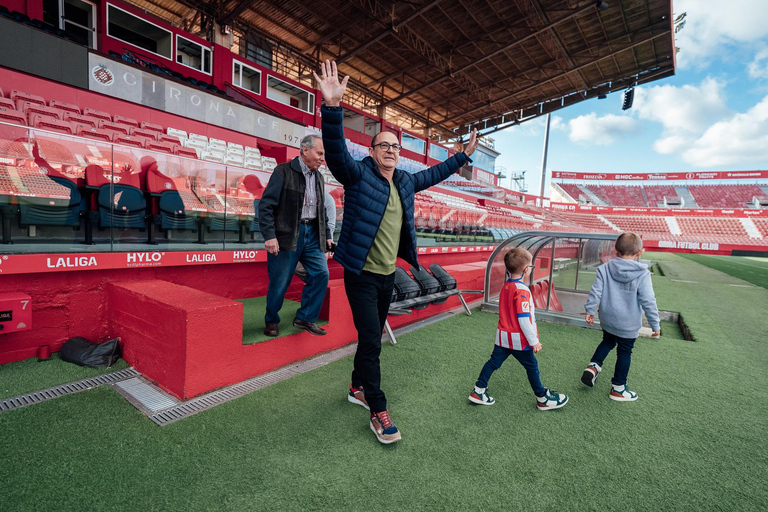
[(621, 288)]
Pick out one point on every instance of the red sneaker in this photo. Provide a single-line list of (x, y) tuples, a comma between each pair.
[(386, 431)]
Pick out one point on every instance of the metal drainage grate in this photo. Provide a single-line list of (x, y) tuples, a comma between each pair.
[(214, 398), (36, 397)]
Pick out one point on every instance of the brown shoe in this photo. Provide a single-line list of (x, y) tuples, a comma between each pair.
[(357, 396), (272, 330), (309, 326), (386, 431)]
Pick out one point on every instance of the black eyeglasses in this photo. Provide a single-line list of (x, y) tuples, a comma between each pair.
[(385, 146)]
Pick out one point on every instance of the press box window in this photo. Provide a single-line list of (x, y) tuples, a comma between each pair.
[(246, 77), (438, 152), (135, 31), (193, 55), (288, 94), (413, 144)]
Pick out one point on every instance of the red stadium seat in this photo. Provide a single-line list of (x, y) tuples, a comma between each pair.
[(68, 107), (539, 300), (126, 120), (109, 125), (554, 302), (164, 147), (130, 140), (151, 127), (25, 96), (141, 132), (12, 116), (97, 114), (81, 119), (8, 104), (162, 137), (32, 109), (51, 124), (188, 152), (84, 130)]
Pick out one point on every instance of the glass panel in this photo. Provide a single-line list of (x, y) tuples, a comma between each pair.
[(138, 32), (566, 261), (593, 254), (438, 152), (414, 143), (247, 78), (193, 55), (288, 94), (43, 199), (241, 196)]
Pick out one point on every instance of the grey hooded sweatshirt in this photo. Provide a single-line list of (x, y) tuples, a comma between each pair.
[(621, 288)]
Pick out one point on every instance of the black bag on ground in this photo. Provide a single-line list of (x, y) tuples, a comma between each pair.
[(87, 353)]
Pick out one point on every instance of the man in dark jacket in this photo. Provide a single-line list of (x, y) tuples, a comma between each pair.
[(378, 227), (293, 221)]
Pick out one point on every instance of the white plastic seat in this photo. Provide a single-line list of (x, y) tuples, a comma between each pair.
[(217, 144), (252, 163), (268, 163), (173, 132), (201, 138), (212, 157), (233, 160), (232, 145)]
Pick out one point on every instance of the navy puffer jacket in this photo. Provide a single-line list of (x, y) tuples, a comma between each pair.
[(366, 193)]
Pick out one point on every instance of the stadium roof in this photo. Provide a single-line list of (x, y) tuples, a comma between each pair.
[(442, 66)]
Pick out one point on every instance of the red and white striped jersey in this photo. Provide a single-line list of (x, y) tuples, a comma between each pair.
[(517, 320)]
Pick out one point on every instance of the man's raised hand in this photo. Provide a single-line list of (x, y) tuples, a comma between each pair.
[(472, 144), (329, 85)]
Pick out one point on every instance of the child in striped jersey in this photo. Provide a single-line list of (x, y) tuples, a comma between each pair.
[(517, 334)]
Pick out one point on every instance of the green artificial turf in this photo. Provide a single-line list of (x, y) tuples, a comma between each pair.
[(751, 269), (253, 319), (695, 439), (33, 375)]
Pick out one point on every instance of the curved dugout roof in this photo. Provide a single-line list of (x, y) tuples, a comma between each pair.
[(446, 65)]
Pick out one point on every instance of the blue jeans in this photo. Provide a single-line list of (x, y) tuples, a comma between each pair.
[(623, 355), (524, 357), (280, 270)]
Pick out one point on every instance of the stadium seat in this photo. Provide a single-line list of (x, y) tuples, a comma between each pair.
[(151, 127), (87, 111), (25, 96), (162, 137), (125, 208), (187, 152), (51, 124), (12, 117), (115, 127), (142, 132), (84, 130), (130, 140), (170, 203), (163, 147), (31, 109), (126, 121), (67, 107), (7, 104), (81, 119)]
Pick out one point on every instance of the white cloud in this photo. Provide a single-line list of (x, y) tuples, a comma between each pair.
[(739, 140), (535, 127), (688, 108), (604, 130), (758, 68), (715, 28)]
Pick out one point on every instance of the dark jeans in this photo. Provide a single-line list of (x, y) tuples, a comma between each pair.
[(623, 355), (280, 270), (369, 296), (524, 357)]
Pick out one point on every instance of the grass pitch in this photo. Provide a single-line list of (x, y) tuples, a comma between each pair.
[(695, 440), (751, 269)]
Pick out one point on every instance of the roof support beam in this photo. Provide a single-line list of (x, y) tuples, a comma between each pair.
[(591, 62), (381, 35), (545, 28)]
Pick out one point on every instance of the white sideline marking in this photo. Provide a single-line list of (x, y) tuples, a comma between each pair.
[(683, 281)]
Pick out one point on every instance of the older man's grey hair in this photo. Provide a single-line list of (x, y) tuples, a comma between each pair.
[(309, 141)]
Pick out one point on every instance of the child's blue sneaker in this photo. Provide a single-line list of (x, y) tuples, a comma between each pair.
[(481, 397), (551, 400), (589, 377), (622, 394)]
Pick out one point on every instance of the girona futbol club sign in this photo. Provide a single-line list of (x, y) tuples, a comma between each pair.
[(667, 176)]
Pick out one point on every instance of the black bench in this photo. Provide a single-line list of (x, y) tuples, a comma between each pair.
[(421, 290)]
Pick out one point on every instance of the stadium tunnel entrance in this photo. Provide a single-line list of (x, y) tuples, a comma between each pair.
[(565, 268)]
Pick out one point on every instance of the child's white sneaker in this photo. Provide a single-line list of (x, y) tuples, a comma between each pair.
[(551, 400), (480, 396), (589, 377), (622, 394)]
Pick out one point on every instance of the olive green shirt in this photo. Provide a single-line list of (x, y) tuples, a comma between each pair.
[(383, 255)]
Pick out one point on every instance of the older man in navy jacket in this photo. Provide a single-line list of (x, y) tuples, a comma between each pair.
[(378, 227)]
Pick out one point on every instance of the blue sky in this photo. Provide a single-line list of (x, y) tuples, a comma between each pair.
[(712, 115)]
